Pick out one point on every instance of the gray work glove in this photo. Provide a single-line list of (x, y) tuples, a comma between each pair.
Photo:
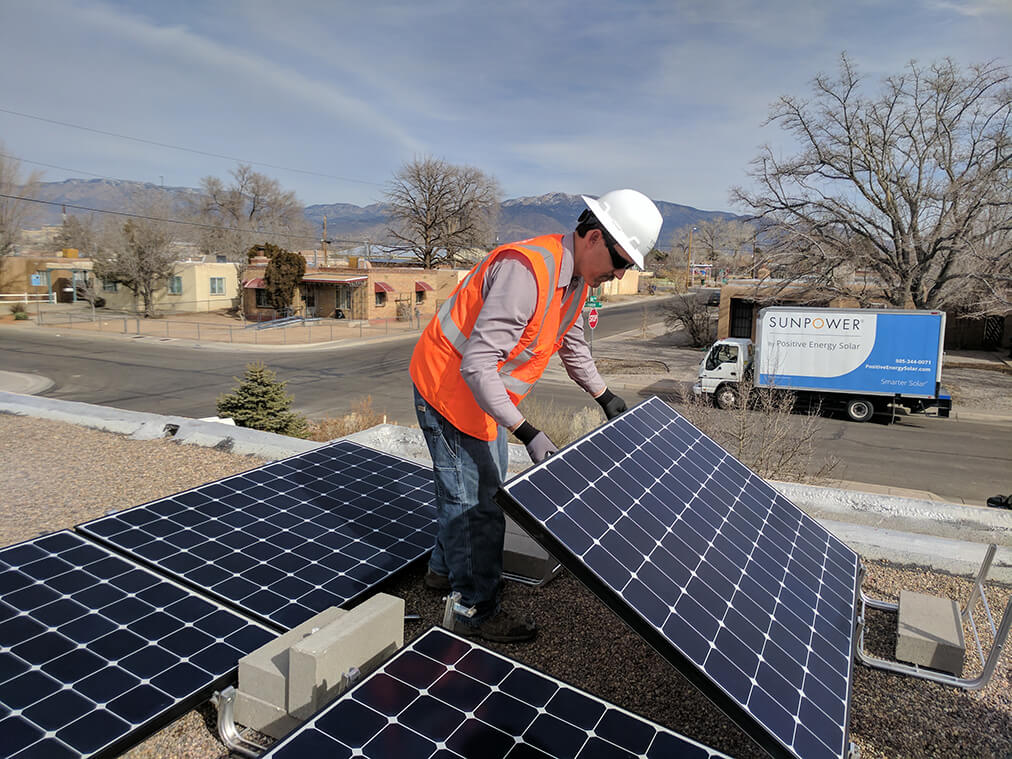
[(538, 445), (612, 404)]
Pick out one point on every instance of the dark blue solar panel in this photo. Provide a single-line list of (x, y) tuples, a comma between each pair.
[(443, 696), (290, 539), (96, 652), (754, 601)]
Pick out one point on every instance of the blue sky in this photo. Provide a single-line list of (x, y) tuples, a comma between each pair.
[(667, 97)]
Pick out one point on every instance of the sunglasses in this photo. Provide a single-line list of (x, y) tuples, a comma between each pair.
[(617, 261)]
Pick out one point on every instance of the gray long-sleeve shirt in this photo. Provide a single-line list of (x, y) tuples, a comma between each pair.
[(510, 291)]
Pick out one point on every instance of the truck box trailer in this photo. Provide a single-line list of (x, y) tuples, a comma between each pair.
[(860, 359)]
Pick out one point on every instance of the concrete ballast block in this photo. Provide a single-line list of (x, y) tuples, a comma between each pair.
[(263, 717), (363, 639), (930, 632), (263, 673)]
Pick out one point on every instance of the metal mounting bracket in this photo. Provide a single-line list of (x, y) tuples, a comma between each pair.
[(224, 702), (454, 607), (989, 663)]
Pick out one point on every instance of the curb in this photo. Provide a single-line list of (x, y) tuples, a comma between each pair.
[(139, 425)]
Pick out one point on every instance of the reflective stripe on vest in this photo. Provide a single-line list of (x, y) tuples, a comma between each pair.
[(457, 339)]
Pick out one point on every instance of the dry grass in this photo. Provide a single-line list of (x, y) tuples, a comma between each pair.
[(561, 425), (766, 434), (362, 417)]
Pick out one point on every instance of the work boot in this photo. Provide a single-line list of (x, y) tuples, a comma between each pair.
[(438, 582), (501, 627)]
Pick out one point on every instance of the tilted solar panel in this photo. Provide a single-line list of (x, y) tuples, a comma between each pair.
[(290, 539), (750, 598), (443, 696), (97, 652)]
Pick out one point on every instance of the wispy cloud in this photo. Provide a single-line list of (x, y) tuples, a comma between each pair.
[(269, 78)]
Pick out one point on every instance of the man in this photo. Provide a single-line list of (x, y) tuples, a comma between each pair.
[(477, 359)]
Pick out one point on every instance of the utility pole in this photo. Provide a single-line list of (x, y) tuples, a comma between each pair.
[(324, 241), (688, 262)]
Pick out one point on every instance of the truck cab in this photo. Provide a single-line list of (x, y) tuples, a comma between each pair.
[(726, 363)]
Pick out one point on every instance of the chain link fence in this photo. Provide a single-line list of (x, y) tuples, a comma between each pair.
[(226, 329)]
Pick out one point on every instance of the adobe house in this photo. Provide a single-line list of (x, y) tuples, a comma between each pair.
[(343, 292), (194, 286), (48, 278)]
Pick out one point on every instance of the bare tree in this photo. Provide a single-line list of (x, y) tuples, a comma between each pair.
[(140, 255), (252, 209), (79, 232), (688, 311), (910, 188), (442, 209), (726, 243), (15, 213)]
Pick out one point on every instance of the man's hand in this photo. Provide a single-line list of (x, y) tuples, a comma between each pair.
[(540, 448), (538, 444), (612, 404)]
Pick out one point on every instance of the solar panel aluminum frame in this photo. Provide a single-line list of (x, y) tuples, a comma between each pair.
[(614, 601), (143, 730)]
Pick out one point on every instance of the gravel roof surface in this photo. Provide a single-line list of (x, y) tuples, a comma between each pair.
[(56, 475)]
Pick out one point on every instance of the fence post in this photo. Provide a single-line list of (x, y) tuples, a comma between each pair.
[(332, 332), (124, 325), (138, 320), (230, 333), (198, 330), (284, 335)]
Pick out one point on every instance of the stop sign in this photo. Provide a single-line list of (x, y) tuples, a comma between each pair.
[(592, 318)]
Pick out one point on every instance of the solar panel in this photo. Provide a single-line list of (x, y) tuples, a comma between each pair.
[(443, 696), (96, 652), (287, 540), (751, 599)]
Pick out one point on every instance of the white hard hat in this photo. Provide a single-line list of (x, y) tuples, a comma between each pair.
[(631, 218)]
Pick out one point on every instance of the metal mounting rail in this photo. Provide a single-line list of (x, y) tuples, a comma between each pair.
[(1000, 633)]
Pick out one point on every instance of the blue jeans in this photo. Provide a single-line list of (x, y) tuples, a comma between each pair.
[(471, 526)]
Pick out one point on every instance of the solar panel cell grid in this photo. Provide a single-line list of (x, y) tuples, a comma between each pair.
[(290, 539), (720, 572), (442, 696), (95, 650)]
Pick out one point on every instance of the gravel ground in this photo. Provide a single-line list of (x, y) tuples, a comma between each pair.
[(57, 475)]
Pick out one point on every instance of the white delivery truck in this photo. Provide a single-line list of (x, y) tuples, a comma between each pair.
[(861, 360)]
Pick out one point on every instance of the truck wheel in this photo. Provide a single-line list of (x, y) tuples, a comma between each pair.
[(860, 409), (726, 397)]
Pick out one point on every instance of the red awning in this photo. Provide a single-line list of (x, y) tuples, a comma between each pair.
[(423, 286), (383, 287), (254, 284)]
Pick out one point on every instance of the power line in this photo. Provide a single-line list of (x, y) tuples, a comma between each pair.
[(184, 149), (52, 166), (173, 221)]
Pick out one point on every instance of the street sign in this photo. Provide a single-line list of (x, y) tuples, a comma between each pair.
[(593, 302), (592, 318)]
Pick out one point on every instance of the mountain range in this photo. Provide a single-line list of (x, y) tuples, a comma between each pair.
[(519, 218)]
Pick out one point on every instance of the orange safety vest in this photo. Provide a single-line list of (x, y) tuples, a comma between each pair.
[(435, 364)]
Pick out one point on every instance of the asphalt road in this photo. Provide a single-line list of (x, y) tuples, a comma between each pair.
[(955, 459), (181, 378)]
